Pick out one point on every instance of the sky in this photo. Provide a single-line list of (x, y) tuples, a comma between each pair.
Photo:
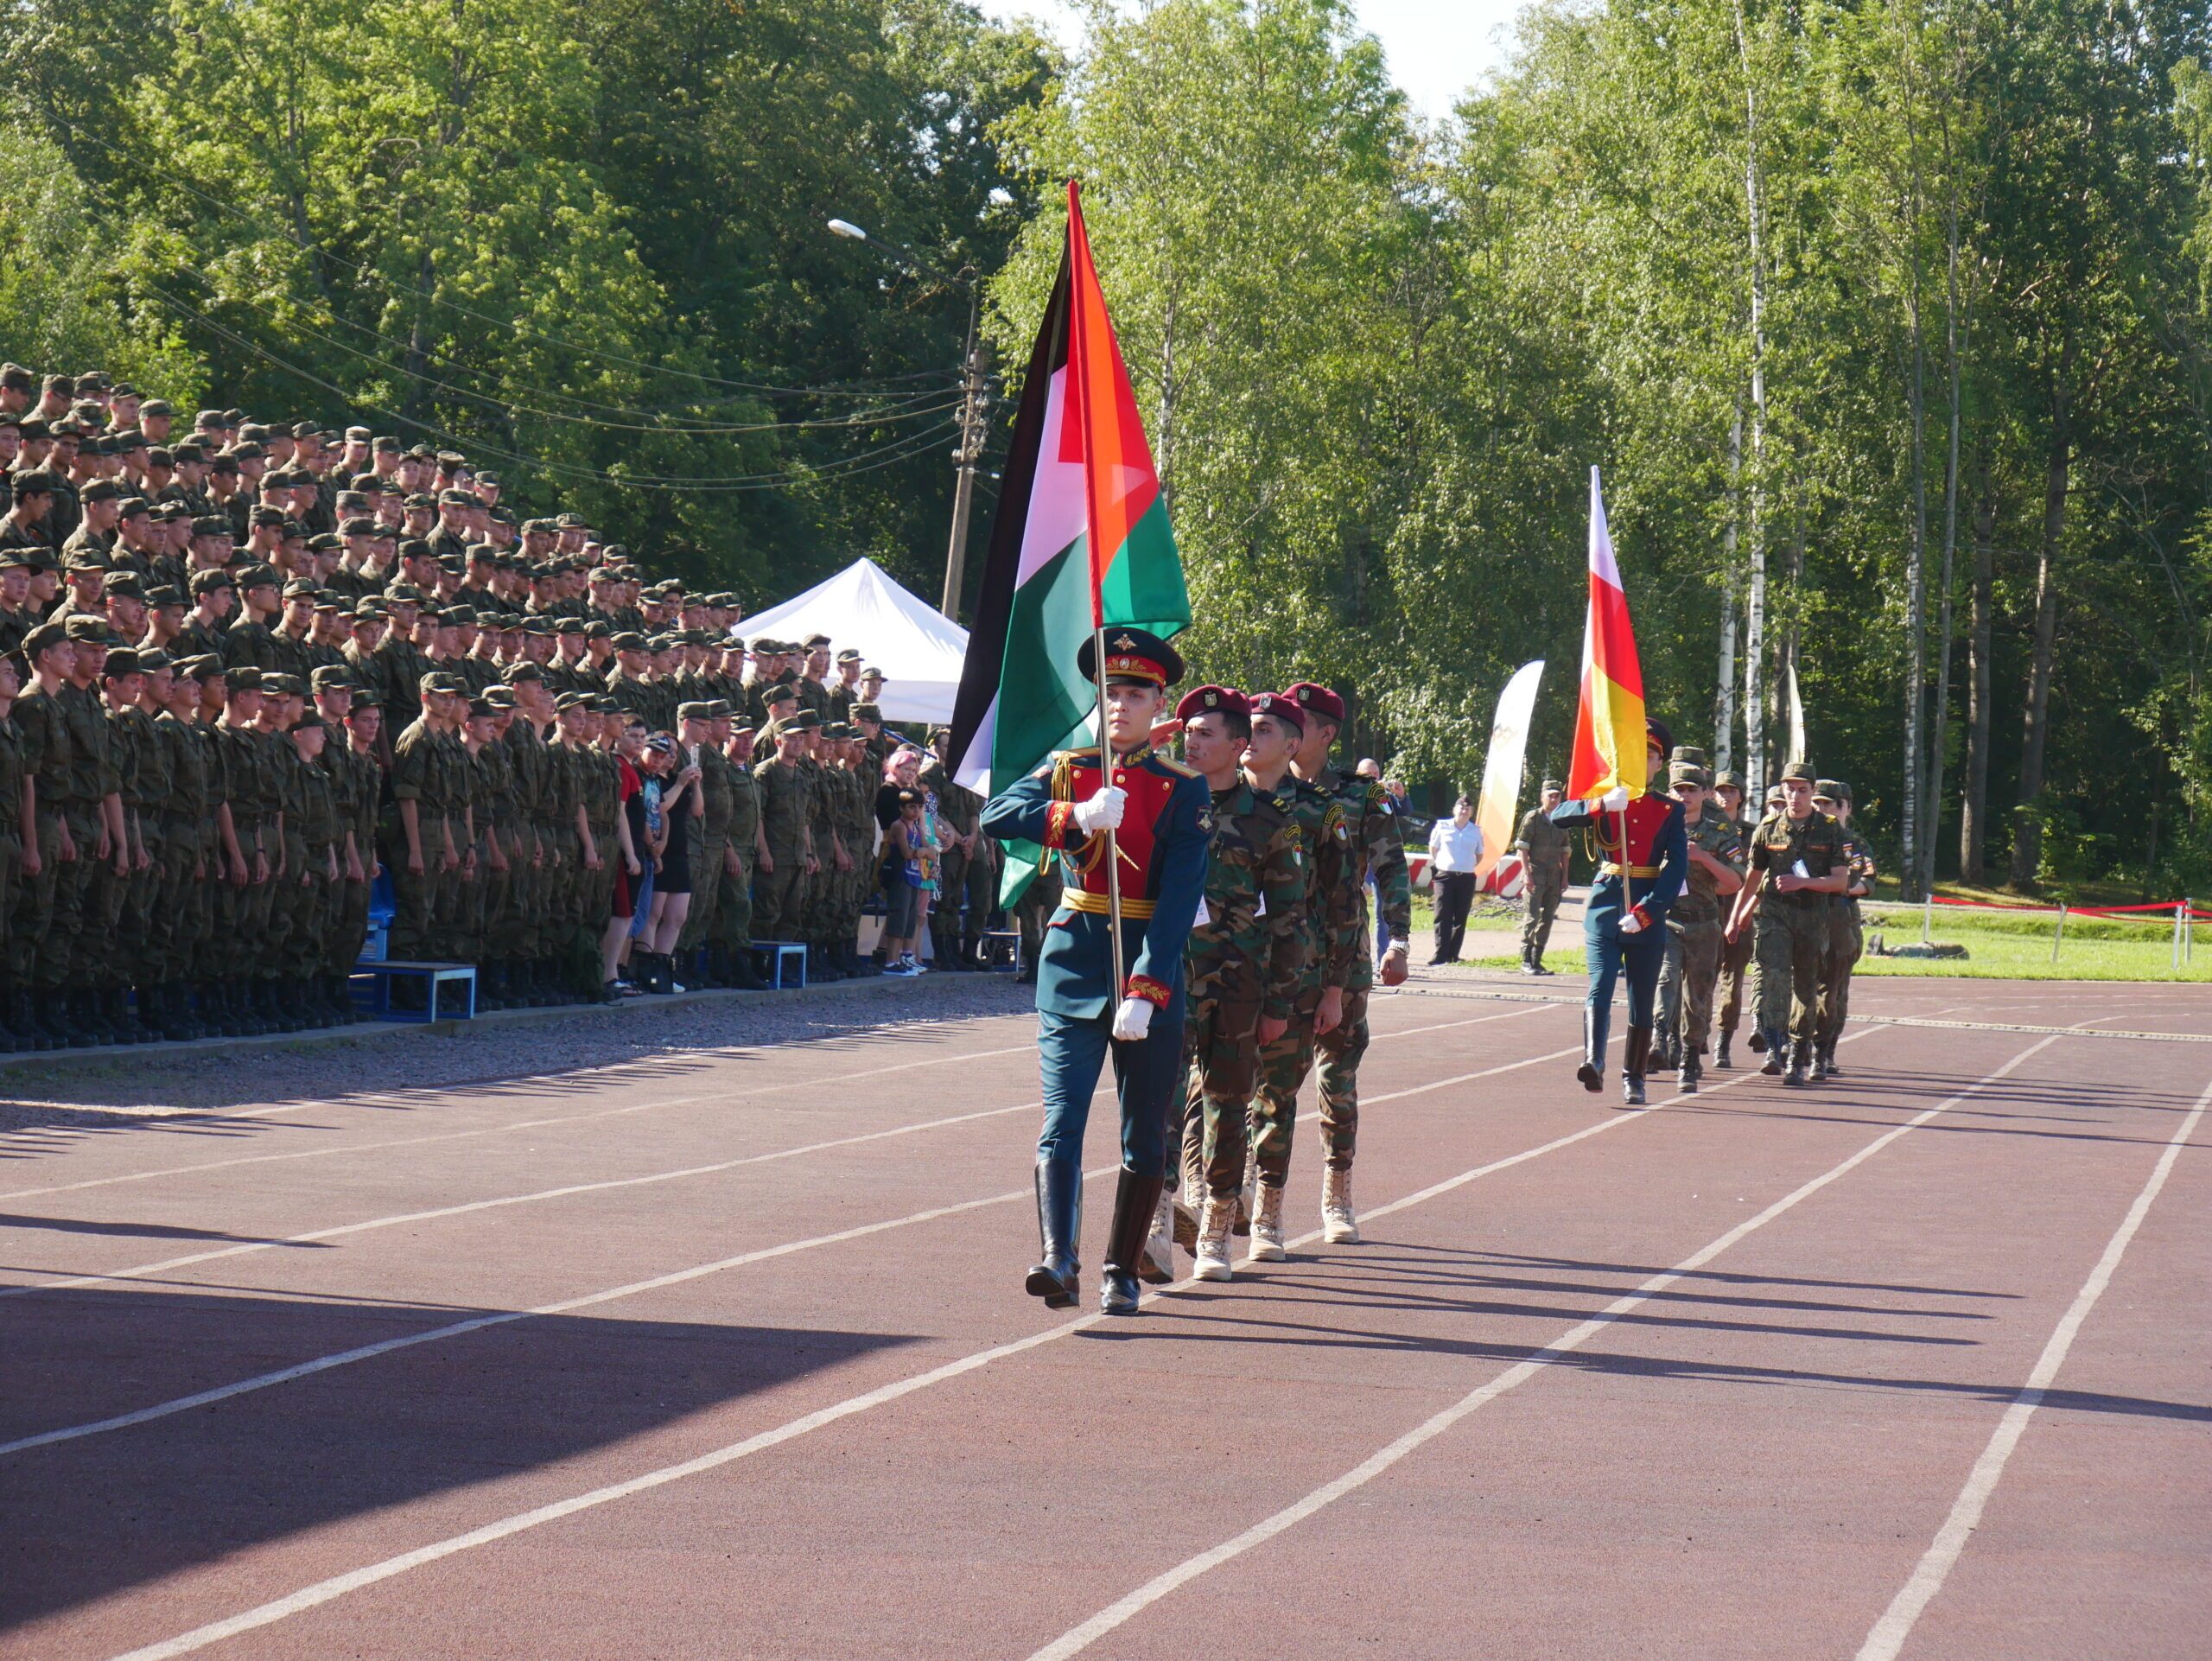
[(1437, 48)]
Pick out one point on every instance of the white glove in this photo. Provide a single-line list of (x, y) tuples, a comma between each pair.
[(1102, 812), (1134, 1018), (1632, 924), (1614, 799)]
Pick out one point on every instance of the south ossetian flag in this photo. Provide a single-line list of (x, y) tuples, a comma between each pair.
[(1080, 540), (1609, 732)]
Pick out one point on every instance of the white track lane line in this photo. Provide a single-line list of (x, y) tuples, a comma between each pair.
[(429, 1100), (568, 1190), (1081, 1638), (1891, 1631), (434, 1095), (503, 1317), (337, 1586)]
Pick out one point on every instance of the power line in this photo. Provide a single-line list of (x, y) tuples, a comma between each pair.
[(882, 416), (911, 445)]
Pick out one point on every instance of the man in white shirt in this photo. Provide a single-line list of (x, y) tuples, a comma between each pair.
[(1455, 848)]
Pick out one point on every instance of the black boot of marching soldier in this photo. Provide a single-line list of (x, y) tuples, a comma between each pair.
[(1636, 1058)]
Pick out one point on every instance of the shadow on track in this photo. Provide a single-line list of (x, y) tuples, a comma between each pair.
[(90, 1518)]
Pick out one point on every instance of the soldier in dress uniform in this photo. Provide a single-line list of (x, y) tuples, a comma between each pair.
[(1798, 860), (1623, 932), (1161, 813)]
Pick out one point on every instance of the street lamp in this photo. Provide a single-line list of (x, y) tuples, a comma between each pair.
[(974, 402)]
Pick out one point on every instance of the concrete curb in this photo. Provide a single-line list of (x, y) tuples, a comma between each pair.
[(109, 1055)]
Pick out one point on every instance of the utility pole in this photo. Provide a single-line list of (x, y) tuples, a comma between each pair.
[(975, 400), (974, 404)]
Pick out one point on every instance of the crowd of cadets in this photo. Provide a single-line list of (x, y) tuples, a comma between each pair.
[(246, 662)]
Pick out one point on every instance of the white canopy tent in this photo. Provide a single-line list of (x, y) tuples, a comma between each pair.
[(919, 649)]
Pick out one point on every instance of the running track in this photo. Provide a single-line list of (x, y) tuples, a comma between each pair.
[(733, 1361)]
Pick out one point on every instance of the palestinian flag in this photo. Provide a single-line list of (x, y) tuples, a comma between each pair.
[(1080, 542)]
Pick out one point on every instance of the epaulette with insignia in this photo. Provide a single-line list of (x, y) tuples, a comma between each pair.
[(1180, 769)]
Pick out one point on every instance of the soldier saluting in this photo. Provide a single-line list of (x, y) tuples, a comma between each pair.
[(1161, 814)]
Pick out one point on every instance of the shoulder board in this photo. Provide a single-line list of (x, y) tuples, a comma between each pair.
[(1090, 754), (1176, 767)]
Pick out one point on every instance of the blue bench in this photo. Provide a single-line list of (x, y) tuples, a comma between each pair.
[(375, 998), (773, 958)]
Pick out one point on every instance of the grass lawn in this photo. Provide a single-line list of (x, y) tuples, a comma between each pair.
[(1998, 948)]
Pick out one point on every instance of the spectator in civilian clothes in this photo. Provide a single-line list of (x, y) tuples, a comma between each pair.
[(1455, 848)]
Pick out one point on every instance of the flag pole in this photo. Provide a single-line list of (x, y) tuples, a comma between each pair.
[(1113, 844)]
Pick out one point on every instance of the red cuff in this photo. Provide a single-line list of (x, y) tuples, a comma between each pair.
[(1058, 818), (1143, 986), (1642, 917)]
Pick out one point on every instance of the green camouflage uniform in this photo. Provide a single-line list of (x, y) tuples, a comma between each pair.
[(785, 791), (1846, 942), (710, 837), (43, 737), (1377, 851), (1736, 956), (1332, 928), (1245, 960), (1694, 921), (1793, 928), (732, 924), (1543, 848)]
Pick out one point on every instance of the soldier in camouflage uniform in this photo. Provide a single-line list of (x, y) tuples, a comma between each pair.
[(733, 926), (1333, 931), (1798, 860), (780, 888), (710, 842), (1241, 968), (1715, 872), (1544, 850), (1726, 801), (1379, 852), (17, 1029), (1846, 935)]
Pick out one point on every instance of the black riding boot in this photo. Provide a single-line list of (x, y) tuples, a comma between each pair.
[(1637, 1055), (1136, 1198), (1591, 1072), (1059, 1228)]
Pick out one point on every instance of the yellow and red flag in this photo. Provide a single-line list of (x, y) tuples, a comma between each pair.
[(1608, 731)]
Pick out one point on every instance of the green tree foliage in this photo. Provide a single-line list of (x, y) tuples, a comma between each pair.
[(584, 243), (1886, 323)]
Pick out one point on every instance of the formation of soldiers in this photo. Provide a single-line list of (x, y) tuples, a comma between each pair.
[(1773, 902), (1270, 970), (1280, 968), (252, 661)]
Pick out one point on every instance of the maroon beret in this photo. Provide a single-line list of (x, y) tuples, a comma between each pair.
[(1210, 700), (1317, 700)]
